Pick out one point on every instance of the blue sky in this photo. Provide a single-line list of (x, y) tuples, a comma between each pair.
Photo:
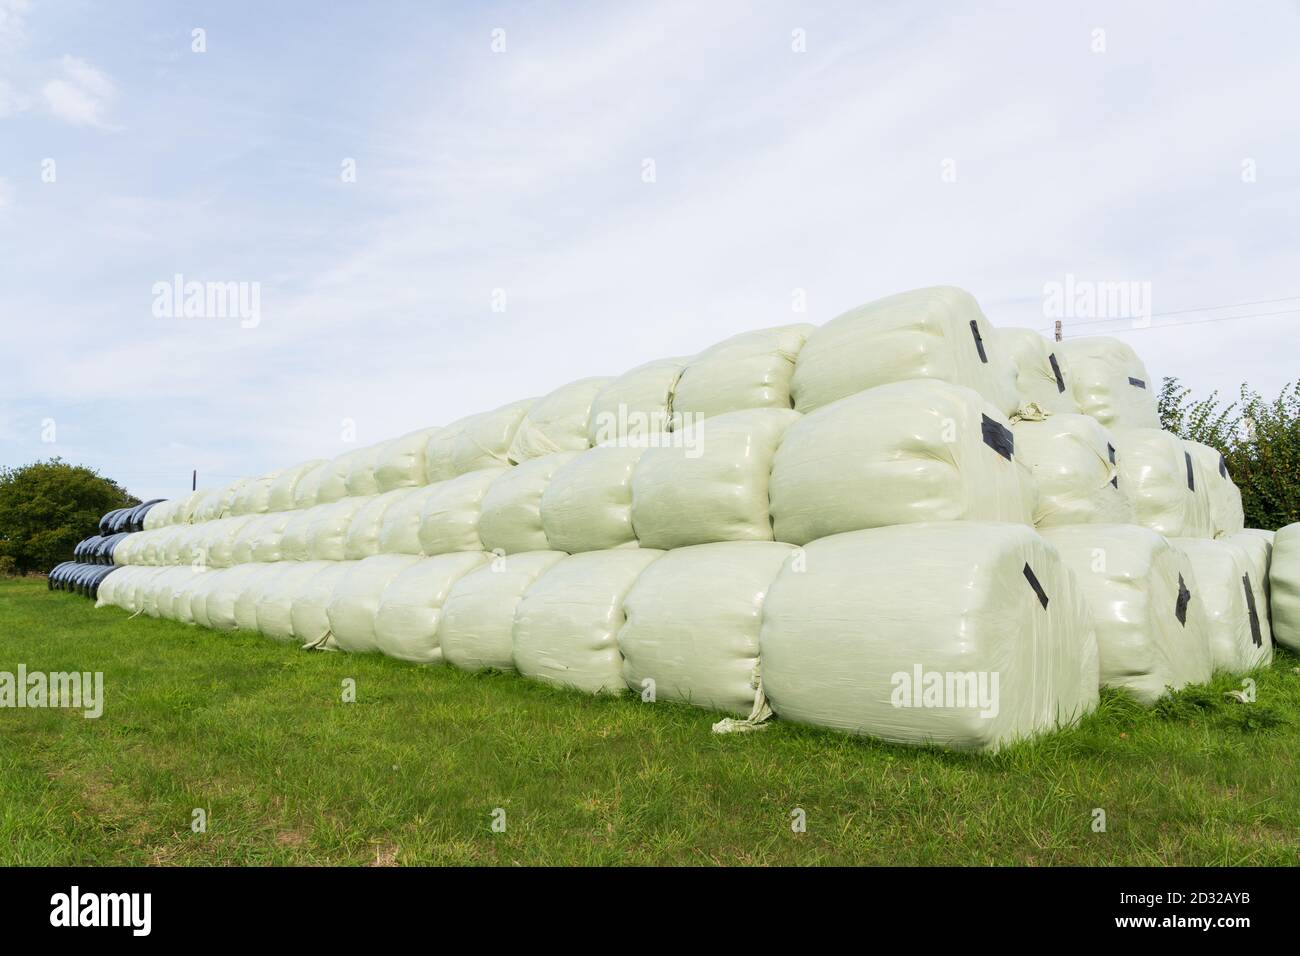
[(997, 149)]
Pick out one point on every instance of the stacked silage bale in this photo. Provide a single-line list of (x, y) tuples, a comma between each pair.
[(903, 523)]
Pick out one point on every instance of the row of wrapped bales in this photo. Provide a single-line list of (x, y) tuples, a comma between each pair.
[(692, 624), (904, 523), (928, 450)]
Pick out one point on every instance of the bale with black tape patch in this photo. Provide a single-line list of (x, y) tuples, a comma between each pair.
[(1232, 603), (1041, 373), (934, 333), (1074, 464), (898, 454), (965, 634), (1152, 634), (1110, 382), (1226, 516), (1169, 487)]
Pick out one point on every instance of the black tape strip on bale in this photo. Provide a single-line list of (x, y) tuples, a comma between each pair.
[(1191, 478), (1136, 382), (1110, 453), (979, 340), (1033, 583), (998, 437), (1256, 635), (1223, 468), (1180, 607), (1056, 370)]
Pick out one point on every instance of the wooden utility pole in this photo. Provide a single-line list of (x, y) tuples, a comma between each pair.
[(194, 475), (1058, 330)]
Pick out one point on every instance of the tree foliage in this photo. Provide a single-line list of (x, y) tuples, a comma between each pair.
[(1259, 439), (46, 508)]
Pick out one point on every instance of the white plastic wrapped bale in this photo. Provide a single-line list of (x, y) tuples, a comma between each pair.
[(361, 478), (478, 615), (226, 503), (1284, 587), (1073, 461), (309, 612), (255, 497), (356, 601), (710, 481), (451, 513), (141, 592), (251, 594), (474, 443), (1168, 486), (1151, 635), (411, 607), (182, 510), (935, 333), (901, 453), (1041, 374), (177, 544), (1238, 641), (1110, 382), (275, 600), (156, 516), (241, 545), (283, 489), (964, 634), (401, 463), (107, 587), (208, 507), (566, 625), (510, 518), (400, 531), (557, 422), (295, 541), (183, 596), (221, 542), (306, 493), (363, 531), (636, 405), (1226, 517), (225, 590), (330, 481), (587, 506), (269, 539), (207, 580), (166, 588), (693, 620), (1253, 549), (327, 538), (750, 370)]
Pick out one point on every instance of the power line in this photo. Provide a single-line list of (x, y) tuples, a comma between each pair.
[(1207, 308), (1170, 325)]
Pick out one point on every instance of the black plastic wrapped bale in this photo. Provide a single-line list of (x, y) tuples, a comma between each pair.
[(135, 517)]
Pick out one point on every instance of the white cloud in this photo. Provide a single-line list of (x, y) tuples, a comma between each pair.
[(12, 28), (81, 95)]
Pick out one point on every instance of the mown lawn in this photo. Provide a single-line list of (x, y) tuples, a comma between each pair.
[(257, 735)]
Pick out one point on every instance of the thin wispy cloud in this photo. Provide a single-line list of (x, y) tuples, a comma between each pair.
[(80, 94)]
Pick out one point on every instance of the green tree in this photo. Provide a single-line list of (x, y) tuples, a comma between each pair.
[(46, 508), (1259, 439)]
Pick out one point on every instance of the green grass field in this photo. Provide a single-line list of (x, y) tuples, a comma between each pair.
[(257, 735)]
